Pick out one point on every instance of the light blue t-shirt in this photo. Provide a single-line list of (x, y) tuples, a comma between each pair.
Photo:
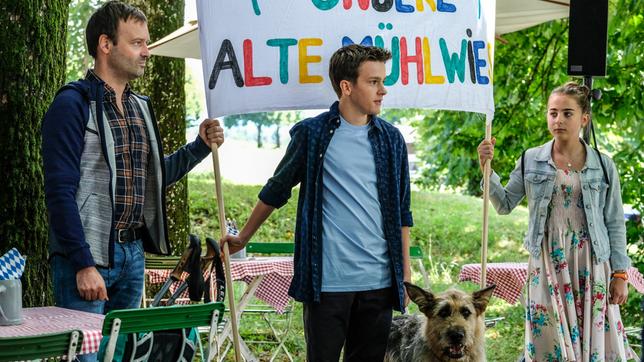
[(355, 256)]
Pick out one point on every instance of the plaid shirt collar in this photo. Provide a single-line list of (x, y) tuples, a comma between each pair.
[(110, 93)]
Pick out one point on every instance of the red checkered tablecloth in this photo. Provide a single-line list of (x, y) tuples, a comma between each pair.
[(277, 272), (510, 278), (636, 279), (44, 320)]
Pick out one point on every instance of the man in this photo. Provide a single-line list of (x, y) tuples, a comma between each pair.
[(105, 171), (353, 217)]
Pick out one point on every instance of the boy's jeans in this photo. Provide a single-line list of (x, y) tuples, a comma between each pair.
[(124, 283)]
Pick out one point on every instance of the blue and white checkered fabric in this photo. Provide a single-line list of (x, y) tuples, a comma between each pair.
[(12, 265), (231, 227)]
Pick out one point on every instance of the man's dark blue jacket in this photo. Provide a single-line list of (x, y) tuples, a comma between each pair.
[(79, 170)]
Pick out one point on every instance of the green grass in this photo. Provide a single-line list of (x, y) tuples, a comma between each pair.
[(239, 200), (441, 220), (447, 227)]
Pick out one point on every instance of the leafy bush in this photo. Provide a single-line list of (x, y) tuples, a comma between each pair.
[(632, 310)]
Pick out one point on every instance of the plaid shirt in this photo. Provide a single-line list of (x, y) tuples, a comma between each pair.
[(132, 149), (303, 164)]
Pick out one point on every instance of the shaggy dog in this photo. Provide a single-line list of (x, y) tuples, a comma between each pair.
[(451, 328)]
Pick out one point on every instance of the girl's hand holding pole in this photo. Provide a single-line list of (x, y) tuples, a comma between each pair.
[(486, 151)]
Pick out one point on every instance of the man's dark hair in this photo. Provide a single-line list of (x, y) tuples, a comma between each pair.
[(345, 62), (106, 21)]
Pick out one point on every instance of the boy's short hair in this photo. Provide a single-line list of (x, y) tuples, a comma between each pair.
[(106, 21), (345, 62)]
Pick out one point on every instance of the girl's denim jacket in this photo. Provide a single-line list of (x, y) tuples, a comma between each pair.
[(602, 201)]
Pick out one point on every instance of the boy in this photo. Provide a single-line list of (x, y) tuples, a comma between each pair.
[(353, 217)]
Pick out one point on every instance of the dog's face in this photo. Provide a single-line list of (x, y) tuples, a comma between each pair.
[(454, 327)]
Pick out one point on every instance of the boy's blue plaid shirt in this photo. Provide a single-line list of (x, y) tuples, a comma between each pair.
[(302, 164)]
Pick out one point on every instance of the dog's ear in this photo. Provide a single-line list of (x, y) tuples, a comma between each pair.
[(423, 298), (482, 298)]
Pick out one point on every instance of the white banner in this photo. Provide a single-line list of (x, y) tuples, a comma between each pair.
[(263, 55)]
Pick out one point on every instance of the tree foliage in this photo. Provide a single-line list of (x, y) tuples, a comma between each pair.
[(264, 119), (194, 99), (526, 68), (32, 49), (620, 111), (78, 59), (528, 65)]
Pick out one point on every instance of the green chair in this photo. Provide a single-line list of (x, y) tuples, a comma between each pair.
[(273, 249), (161, 262), (634, 337), (41, 346), (153, 262), (416, 253), (162, 318)]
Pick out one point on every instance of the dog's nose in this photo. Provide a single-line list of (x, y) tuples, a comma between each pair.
[(456, 335)]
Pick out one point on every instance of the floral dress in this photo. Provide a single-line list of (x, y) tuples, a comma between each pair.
[(568, 317)]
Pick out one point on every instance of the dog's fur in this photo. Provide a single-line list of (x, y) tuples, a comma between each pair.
[(451, 328)]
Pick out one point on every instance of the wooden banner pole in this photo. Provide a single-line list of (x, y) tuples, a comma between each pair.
[(486, 203), (226, 253)]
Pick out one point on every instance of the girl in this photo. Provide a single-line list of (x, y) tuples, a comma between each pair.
[(576, 238)]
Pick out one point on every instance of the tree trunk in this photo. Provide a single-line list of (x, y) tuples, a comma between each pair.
[(259, 135), (164, 82), (278, 140), (32, 53)]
